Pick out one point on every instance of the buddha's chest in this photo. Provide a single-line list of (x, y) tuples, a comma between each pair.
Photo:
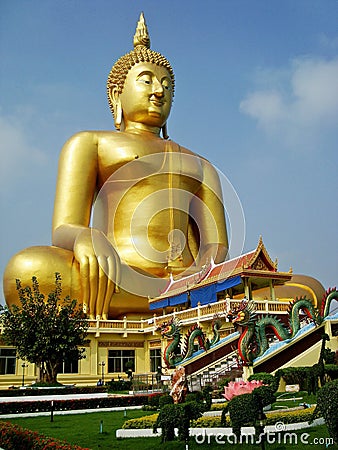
[(162, 163)]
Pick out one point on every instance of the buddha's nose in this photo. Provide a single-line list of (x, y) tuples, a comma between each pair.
[(158, 88)]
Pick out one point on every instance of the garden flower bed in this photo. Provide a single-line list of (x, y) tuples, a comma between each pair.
[(295, 416)]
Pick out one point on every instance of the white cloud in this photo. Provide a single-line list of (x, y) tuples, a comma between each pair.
[(266, 106), (298, 105), (315, 87)]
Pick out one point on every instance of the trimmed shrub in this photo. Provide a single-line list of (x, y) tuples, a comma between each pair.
[(119, 385), (221, 384), (187, 413), (69, 405), (264, 395), (266, 378), (245, 409), (329, 356), (327, 406), (306, 377), (13, 437), (168, 421), (192, 397), (165, 400), (332, 371), (242, 410), (177, 416), (207, 397)]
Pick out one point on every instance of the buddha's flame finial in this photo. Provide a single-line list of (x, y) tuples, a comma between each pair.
[(141, 36)]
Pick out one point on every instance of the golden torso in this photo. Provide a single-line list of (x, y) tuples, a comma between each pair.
[(146, 185)]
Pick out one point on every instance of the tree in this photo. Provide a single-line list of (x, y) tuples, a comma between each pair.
[(45, 332), (327, 407)]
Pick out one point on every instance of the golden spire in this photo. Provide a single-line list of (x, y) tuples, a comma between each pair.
[(141, 36)]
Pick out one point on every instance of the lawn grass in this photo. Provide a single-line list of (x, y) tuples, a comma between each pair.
[(84, 430), (287, 403)]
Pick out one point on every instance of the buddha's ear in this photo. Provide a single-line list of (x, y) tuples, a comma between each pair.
[(115, 100)]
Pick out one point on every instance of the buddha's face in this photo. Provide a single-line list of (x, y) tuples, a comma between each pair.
[(147, 95)]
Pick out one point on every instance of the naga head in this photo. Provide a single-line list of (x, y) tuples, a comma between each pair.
[(169, 329), (244, 315)]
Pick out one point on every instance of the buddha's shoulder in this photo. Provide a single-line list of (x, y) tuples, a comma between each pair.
[(87, 143), (190, 152), (94, 136)]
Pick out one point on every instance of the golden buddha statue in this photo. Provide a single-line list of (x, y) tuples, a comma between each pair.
[(132, 208)]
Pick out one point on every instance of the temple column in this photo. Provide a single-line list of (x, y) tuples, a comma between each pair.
[(247, 288), (247, 371), (272, 290)]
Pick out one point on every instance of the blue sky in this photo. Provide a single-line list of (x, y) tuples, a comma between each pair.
[(256, 94)]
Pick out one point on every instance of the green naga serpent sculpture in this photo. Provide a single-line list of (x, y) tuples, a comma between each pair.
[(330, 294), (171, 330), (253, 341)]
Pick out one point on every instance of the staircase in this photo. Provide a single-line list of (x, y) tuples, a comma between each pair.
[(226, 367)]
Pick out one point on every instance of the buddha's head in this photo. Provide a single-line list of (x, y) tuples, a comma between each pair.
[(143, 66)]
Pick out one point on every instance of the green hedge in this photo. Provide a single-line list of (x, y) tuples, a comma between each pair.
[(70, 405), (52, 391), (327, 406), (266, 379), (13, 437), (119, 385), (332, 371)]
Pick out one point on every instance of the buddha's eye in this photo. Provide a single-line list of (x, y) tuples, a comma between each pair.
[(146, 79), (166, 85)]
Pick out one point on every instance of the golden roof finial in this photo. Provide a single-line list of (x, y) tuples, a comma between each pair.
[(141, 36)]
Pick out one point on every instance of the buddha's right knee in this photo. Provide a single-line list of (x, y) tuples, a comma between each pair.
[(42, 263)]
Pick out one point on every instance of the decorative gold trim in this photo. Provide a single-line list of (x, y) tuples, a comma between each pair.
[(261, 249), (124, 344)]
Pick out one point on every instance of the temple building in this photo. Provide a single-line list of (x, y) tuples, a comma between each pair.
[(191, 302)]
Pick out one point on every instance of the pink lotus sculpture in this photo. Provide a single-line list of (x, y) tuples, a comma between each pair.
[(240, 387)]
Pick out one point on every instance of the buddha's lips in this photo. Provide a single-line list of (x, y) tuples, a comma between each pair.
[(157, 102)]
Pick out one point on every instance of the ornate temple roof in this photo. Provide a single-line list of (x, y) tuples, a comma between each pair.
[(256, 263)]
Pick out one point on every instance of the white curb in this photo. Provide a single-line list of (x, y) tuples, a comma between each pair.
[(148, 432)]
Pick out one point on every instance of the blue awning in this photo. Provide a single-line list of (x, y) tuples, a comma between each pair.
[(207, 294), (229, 283), (159, 304), (204, 295), (178, 299)]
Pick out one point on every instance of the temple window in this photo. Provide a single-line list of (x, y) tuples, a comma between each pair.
[(7, 361), (69, 366), (117, 360), (155, 359)]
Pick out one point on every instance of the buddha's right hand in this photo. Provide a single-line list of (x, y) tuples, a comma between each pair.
[(99, 270)]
